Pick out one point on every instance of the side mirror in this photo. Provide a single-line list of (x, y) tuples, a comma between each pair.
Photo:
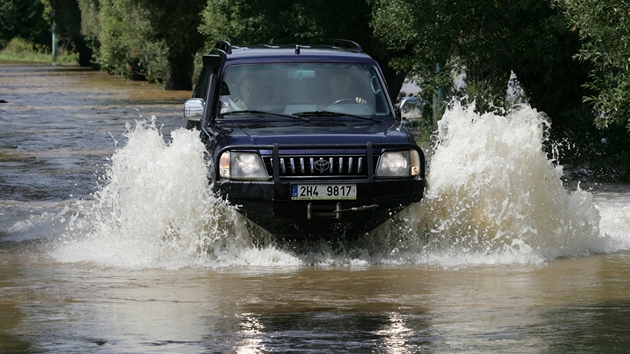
[(410, 108), (193, 109)]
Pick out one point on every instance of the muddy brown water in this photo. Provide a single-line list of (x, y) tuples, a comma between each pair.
[(79, 277)]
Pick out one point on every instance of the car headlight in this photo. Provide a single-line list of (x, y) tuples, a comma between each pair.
[(242, 166), (398, 164)]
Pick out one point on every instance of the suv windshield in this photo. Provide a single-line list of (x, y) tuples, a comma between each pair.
[(303, 88)]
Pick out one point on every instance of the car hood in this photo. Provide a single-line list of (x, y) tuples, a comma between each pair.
[(307, 133)]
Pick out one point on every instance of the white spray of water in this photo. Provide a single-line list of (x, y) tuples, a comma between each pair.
[(156, 209), (614, 209), (494, 197)]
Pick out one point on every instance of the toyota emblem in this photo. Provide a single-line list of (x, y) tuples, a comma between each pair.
[(322, 165)]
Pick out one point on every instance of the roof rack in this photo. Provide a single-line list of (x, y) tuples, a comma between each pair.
[(224, 46), (347, 44)]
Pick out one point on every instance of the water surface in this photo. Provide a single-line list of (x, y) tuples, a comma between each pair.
[(111, 241)]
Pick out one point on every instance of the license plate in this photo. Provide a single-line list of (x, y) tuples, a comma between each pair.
[(323, 191)]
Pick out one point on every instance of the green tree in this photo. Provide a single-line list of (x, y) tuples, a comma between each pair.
[(175, 23), (604, 28), (421, 42), (66, 15), (537, 46), (23, 19), (126, 44), (488, 40), (90, 28), (144, 39), (304, 22)]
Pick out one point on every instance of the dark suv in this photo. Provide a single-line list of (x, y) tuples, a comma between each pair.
[(305, 139)]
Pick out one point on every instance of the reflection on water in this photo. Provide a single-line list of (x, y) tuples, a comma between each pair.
[(566, 305), (110, 241)]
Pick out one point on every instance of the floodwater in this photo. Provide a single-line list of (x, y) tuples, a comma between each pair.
[(111, 242)]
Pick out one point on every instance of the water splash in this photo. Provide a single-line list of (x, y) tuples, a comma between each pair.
[(494, 197), (156, 209)]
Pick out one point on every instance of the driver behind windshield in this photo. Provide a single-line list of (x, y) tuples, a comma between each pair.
[(282, 91), (340, 88), (247, 96)]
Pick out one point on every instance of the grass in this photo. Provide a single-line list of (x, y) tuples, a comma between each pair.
[(20, 50)]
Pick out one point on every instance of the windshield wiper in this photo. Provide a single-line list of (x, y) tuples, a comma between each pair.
[(262, 114), (333, 114)]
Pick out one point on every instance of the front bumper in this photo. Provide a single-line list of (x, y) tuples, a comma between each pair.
[(269, 205)]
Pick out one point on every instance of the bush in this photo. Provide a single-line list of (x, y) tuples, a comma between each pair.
[(590, 154), (21, 50)]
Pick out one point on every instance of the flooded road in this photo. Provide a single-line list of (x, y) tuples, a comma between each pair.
[(110, 242)]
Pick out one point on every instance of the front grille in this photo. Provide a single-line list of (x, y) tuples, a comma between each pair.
[(296, 166)]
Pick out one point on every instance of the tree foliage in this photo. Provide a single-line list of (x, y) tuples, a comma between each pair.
[(488, 40), (604, 27), (122, 37), (571, 57), (539, 42), (175, 24), (23, 19), (304, 22), (287, 21), (145, 40), (417, 34), (66, 16)]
